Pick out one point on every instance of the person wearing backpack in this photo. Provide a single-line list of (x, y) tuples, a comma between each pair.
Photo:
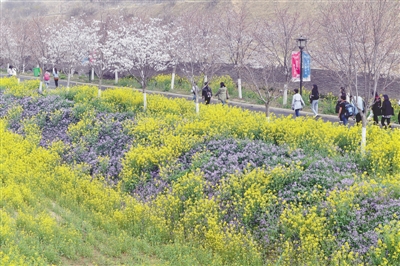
[(343, 113), (206, 93), (314, 96), (376, 108), (46, 78), (387, 111)]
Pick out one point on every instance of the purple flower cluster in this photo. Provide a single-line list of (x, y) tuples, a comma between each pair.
[(321, 174), (53, 131), (358, 229), (111, 141), (217, 159), (226, 156)]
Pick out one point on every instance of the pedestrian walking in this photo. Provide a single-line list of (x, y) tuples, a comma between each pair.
[(359, 104), (342, 110), (55, 76), (314, 97), (376, 108), (342, 92), (206, 93), (297, 102), (195, 90), (11, 71), (387, 111), (222, 93), (46, 78)]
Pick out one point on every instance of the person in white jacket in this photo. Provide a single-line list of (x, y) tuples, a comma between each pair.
[(11, 71), (297, 102)]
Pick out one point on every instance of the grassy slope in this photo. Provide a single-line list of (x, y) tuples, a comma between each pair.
[(50, 214)]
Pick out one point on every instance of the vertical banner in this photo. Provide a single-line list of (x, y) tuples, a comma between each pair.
[(295, 66), (306, 67)]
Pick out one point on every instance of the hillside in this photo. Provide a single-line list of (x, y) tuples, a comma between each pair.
[(14, 9), (89, 180)]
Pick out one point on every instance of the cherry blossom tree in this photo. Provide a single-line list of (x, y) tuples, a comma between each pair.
[(104, 47), (15, 43), (70, 43), (172, 44), (143, 50), (7, 44)]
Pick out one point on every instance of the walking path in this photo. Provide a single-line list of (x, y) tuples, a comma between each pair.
[(244, 105)]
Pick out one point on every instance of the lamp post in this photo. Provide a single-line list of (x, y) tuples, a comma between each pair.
[(301, 43)]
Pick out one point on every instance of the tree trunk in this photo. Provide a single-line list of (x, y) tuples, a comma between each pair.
[(197, 102), (99, 90), (173, 77), (267, 111), (92, 76), (144, 100), (69, 77), (363, 133), (285, 90), (240, 88), (144, 84), (116, 77)]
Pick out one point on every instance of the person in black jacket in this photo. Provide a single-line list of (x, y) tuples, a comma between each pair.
[(376, 108), (314, 96), (387, 111), (206, 93)]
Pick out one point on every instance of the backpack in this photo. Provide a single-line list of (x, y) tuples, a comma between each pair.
[(349, 110), (209, 93), (46, 76)]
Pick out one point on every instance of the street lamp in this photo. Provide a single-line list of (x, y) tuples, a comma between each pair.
[(301, 43)]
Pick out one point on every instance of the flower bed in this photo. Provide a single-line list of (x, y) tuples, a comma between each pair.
[(227, 182)]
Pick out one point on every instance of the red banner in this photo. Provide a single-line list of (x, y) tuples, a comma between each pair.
[(295, 66)]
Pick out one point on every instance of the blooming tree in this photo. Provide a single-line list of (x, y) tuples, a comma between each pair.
[(15, 43), (70, 44), (142, 50), (104, 47)]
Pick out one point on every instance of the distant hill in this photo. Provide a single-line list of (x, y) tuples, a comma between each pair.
[(16, 9)]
